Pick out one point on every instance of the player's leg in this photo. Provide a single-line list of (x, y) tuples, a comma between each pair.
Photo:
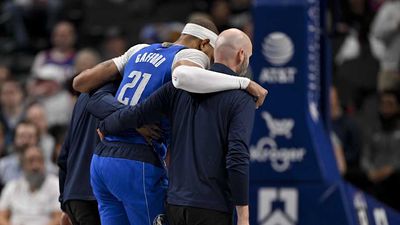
[(111, 209), (155, 184), (142, 189)]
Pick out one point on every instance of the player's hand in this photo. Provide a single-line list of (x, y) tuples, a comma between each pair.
[(150, 132), (101, 135), (257, 91), (65, 219)]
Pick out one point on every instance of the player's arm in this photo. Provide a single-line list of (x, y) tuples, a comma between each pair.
[(189, 74), (132, 117), (93, 78), (104, 72), (102, 102), (238, 157)]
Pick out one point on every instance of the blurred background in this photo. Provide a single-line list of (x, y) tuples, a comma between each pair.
[(45, 43)]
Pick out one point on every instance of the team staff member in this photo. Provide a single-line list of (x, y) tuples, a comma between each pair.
[(209, 168), (126, 174), (76, 195)]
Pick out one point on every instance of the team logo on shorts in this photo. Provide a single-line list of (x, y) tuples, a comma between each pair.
[(161, 219)]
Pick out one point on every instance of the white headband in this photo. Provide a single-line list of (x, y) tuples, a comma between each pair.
[(200, 32)]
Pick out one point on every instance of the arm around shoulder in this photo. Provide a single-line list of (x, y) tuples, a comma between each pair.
[(93, 78)]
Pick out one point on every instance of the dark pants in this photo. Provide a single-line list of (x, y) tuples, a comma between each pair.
[(184, 215), (82, 212)]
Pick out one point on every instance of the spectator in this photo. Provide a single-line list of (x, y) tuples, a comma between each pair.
[(3, 147), (31, 199), (26, 17), (47, 89), (357, 15), (240, 6), (115, 43), (36, 114), (26, 134), (5, 74), (386, 28), (12, 107), (346, 130), (149, 34), (349, 135), (60, 58), (381, 156), (85, 59), (220, 12)]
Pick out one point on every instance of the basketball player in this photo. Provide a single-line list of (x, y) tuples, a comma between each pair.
[(126, 173)]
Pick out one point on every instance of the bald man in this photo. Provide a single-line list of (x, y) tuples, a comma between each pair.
[(209, 156)]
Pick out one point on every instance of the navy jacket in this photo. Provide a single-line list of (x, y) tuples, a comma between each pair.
[(210, 142), (80, 141)]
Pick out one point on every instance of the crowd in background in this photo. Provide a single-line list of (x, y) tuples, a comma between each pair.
[(45, 43), (365, 97)]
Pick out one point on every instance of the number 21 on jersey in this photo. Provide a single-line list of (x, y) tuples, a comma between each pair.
[(136, 75)]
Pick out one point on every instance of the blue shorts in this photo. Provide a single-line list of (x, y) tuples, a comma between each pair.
[(128, 191)]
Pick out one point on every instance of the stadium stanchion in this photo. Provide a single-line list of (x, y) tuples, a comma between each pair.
[(294, 178)]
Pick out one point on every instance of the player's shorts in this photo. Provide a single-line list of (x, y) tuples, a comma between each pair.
[(128, 191)]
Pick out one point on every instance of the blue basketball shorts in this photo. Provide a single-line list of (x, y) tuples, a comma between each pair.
[(128, 192)]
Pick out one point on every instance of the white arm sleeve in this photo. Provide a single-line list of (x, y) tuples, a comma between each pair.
[(198, 80), (123, 59), (192, 55)]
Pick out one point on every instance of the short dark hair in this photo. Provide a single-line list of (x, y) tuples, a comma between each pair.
[(204, 22)]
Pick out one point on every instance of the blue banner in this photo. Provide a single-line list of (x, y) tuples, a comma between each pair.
[(309, 204), (294, 178), (289, 140)]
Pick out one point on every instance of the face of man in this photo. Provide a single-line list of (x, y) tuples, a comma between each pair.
[(25, 135), (207, 49), (63, 36), (247, 52), (11, 95), (389, 107), (33, 167), (37, 115)]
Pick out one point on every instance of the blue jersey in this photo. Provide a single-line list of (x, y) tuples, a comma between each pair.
[(146, 71)]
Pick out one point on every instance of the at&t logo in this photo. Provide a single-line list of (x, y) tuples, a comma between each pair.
[(278, 49)]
